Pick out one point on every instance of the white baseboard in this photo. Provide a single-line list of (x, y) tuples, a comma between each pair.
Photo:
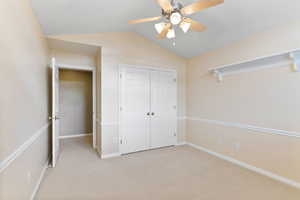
[(181, 143), (74, 136), (112, 155), (37, 186), (249, 167)]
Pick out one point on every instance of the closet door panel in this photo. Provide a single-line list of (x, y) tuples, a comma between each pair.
[(135, 104), (163, 109)]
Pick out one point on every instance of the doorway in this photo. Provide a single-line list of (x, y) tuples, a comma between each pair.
[(73, 104)]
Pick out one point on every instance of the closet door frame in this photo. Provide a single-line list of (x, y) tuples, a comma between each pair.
[(91, 69), (162, 69)]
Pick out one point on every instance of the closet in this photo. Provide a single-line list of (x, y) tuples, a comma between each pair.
[(148, 109)]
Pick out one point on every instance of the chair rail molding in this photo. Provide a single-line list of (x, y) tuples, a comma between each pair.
[(19, 151), (247, 126), (250, 167)]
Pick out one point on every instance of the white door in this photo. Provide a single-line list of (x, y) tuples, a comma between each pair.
[(163, 109), (135, 110), (55, 112)]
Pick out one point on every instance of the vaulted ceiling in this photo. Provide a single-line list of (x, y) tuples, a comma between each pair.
[(226, 23)]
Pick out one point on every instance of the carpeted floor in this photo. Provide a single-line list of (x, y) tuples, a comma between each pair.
[(175, 173)]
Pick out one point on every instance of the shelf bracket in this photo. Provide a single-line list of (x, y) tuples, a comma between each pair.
[(295, 56), (218, 74)]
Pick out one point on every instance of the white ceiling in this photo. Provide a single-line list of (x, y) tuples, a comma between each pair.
[(225, 23)]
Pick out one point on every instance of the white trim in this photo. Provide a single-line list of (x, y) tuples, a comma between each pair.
[(75, 67), (38, 184), (249, 127), (74, 136), (249, 167), (181, 143), (166, 69), (111, 155), (94, 75), (19, 151)]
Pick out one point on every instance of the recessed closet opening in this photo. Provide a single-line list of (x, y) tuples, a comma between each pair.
[(148, 108), (76, 104), (75, 92)]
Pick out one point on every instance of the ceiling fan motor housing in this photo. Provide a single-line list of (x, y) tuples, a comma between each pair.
[(177, 6)]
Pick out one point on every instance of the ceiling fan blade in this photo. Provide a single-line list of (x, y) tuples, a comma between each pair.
[(165, 5), (165, 31), (200, 5), (150, 19), (195, 26)]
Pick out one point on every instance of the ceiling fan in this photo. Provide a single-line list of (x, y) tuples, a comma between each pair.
[(174, 14)]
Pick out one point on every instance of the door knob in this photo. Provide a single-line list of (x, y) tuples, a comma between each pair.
[(148, 113), (152, 113)]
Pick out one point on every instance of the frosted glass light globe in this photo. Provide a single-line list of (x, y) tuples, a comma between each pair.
[(171, 34), (159, 27), (185, 26)]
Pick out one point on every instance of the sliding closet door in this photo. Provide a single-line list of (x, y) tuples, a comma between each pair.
[(163, 109), (134, 111)]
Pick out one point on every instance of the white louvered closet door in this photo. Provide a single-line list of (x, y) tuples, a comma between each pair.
[(163, 105)]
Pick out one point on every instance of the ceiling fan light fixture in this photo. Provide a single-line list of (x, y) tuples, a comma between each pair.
[(159, 27), (185, 26), (175, 18), (171, 34), (173, 15)]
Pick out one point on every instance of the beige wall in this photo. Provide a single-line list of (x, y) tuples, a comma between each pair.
[(70, 57), (266, 98), (24, 98), (128, 48), (76, 102)]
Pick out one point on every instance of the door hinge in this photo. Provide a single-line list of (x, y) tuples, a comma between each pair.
[(120, 75), (121, 108), (175, 79), (121, 141)]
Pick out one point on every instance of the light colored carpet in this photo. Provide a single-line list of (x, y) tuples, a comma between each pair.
[(175, 173)]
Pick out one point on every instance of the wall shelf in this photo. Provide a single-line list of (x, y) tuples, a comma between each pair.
[(287, 58)]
